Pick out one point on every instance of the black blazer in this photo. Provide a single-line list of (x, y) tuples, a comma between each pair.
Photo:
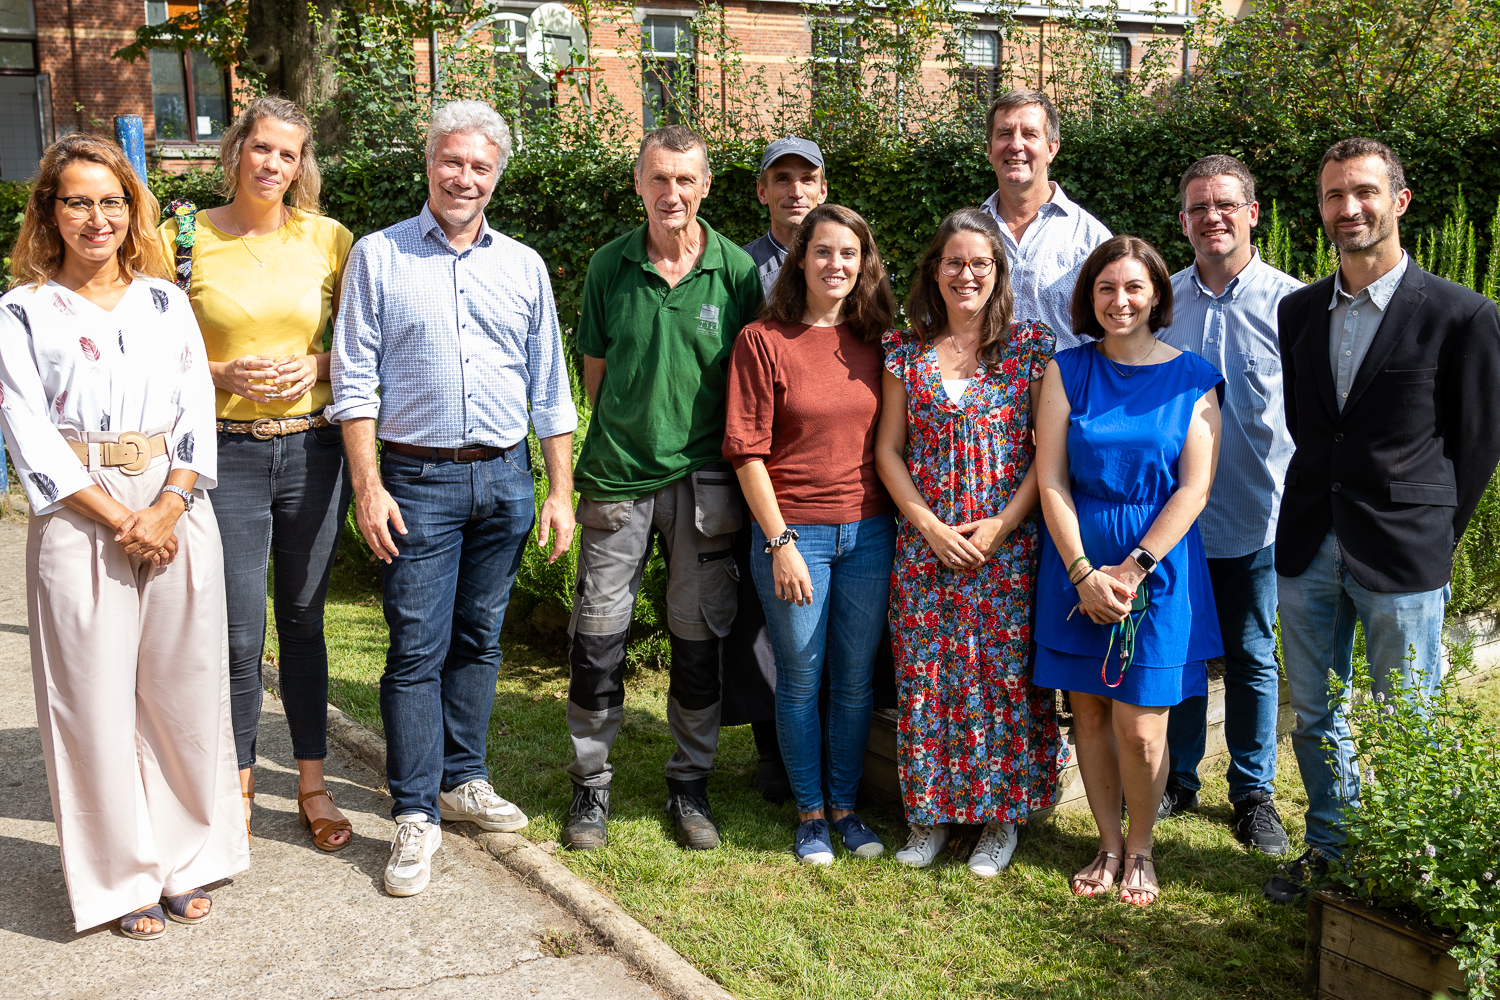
[(1399, 472)]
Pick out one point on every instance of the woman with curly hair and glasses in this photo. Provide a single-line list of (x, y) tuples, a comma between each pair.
[(803, 404), (976, 742), (263, 275), (107, 407)]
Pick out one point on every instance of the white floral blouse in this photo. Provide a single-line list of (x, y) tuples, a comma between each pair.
[(67, 363)]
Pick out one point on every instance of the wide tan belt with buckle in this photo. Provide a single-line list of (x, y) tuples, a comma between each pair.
[(131, 452), (266, 428)]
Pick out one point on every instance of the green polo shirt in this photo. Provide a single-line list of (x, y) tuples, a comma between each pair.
[(659, 413)]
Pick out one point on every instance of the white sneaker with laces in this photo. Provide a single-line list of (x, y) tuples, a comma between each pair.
[(993, 852), (476, 802), (410, 866), (923, 844)]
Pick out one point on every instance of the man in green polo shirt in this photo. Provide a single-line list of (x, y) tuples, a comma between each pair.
[(661, 308)]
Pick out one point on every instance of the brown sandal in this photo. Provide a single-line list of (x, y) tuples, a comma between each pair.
[(1093, 877), (249, 837), (1135, 882), (323, 830)]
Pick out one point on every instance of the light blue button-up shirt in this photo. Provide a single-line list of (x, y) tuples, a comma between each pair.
[(449, 348), (1352, 322), (1044, 265), (1236, 333)]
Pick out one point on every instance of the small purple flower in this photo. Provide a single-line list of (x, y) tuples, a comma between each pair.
[(1390, 710), (1380, 697), (1489, 876), (1426, 878), (1431, 851), (1370, 774)]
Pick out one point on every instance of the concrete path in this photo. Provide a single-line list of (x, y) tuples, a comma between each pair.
[(299, 923)]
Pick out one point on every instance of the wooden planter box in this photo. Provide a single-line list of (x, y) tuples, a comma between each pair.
[(1358, 952), (881, 780)]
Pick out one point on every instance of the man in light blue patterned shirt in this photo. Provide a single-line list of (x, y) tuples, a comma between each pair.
[(447, 349), (1224, 309), (1047, 235)]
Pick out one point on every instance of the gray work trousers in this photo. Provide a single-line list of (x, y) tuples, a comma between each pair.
[(695, 519)]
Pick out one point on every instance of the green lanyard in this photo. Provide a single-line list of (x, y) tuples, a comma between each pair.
[(1125, 631)]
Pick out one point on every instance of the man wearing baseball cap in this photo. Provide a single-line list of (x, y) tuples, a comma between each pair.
[(791, 184)]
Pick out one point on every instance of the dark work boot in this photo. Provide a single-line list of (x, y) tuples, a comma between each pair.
[(1258, 825), (588, 818), (1292, 882), (770, 777), (687, 804)]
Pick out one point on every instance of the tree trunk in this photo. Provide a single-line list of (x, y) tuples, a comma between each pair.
[(291, 44)]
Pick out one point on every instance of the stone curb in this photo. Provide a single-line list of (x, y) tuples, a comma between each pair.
[(637, 946)]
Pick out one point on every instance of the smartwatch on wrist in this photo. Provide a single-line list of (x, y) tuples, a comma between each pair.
[(1145, 560)]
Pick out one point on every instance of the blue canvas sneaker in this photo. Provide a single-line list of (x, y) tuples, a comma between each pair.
[(859, 839), (812, 844)]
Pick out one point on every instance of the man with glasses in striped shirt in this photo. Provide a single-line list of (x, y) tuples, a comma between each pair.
[(1224, 309)]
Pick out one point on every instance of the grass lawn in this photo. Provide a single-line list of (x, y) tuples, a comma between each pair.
[(764, 926)]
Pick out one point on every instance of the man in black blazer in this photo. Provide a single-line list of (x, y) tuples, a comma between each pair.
[(1392, 387)]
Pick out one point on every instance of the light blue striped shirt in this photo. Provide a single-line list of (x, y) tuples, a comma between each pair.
[(1236, 333), (447, 348), (1044, 265)]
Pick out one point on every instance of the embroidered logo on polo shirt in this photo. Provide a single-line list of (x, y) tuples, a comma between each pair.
[(708, 321)]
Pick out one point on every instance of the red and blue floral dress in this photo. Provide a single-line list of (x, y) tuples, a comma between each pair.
[(976, 741)]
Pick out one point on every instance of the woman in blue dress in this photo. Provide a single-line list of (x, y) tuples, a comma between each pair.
[(1127, 440)]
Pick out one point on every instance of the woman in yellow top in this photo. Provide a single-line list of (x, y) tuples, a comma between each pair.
[(263, 276)]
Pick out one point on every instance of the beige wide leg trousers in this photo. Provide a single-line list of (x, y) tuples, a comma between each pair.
[(130, 668)]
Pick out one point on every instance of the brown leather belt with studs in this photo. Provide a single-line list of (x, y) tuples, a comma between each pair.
[(267, 428)]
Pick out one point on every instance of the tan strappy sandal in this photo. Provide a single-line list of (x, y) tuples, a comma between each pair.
[(1135, 881), (1097, 877), (250, 837), (323, 830)]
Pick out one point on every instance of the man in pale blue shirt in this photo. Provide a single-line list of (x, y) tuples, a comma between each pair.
[(447, 349), (1047, 235), (1224, 309)]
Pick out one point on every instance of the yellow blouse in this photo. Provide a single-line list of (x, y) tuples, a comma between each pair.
[(268, 295)]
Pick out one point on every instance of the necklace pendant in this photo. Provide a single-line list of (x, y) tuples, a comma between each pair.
[(262, 263)]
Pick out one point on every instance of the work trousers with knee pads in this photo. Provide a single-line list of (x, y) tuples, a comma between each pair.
[(694, 519)]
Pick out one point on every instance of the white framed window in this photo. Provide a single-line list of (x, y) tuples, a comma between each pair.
[(1114, 53), (981, 67), (835, 57), (189, 91), (668, 71)]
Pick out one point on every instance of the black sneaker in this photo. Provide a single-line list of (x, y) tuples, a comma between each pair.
[(1174, 800), (1292, 882), (588, 818), (771, 781), (1257, 825), (689, 810)]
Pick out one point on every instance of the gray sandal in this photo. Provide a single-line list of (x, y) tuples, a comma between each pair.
[(177, 906), (152, 912)]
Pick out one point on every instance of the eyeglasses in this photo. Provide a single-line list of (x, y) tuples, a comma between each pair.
[(1223, 210), (978, 266), (82, 208)]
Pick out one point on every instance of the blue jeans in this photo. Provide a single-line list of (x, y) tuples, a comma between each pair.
[(445, 598), (1245, 594), (283, 498), (1318, 610), (850, 568)]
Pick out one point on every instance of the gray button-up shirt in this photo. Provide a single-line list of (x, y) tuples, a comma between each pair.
[(1044, 265), (1352, 322), (1236, 332), (448, 348)]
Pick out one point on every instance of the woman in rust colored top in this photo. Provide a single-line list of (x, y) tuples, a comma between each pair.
[(804, 401)]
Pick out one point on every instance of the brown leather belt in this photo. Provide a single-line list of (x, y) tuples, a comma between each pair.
[(474, 453), (130, 452), (266, 428)]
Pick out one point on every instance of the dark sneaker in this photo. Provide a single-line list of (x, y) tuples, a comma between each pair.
[(588, 817), (696, 829), (859, 840), (1257, 824), (1176, 799), (1295, 880), (771, 781), (812, 844)]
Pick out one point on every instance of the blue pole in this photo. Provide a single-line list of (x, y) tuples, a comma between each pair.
[(131, 135)]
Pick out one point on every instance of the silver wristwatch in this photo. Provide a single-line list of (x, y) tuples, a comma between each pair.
[(187, 498)]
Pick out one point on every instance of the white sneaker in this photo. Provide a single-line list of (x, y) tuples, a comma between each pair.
[(476, 802), (923, 845), (410, 867), (993, 852)]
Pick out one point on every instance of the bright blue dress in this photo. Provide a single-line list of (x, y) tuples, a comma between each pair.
[(1124, 440)]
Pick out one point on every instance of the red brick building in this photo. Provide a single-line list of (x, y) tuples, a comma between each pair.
[(58, 73)]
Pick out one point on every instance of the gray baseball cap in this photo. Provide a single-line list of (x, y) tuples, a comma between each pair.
[(791, 146)]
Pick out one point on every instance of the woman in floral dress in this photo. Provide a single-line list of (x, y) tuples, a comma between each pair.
[(977, 743)]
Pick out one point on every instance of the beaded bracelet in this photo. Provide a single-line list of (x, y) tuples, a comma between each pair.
[(1074, 565)]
